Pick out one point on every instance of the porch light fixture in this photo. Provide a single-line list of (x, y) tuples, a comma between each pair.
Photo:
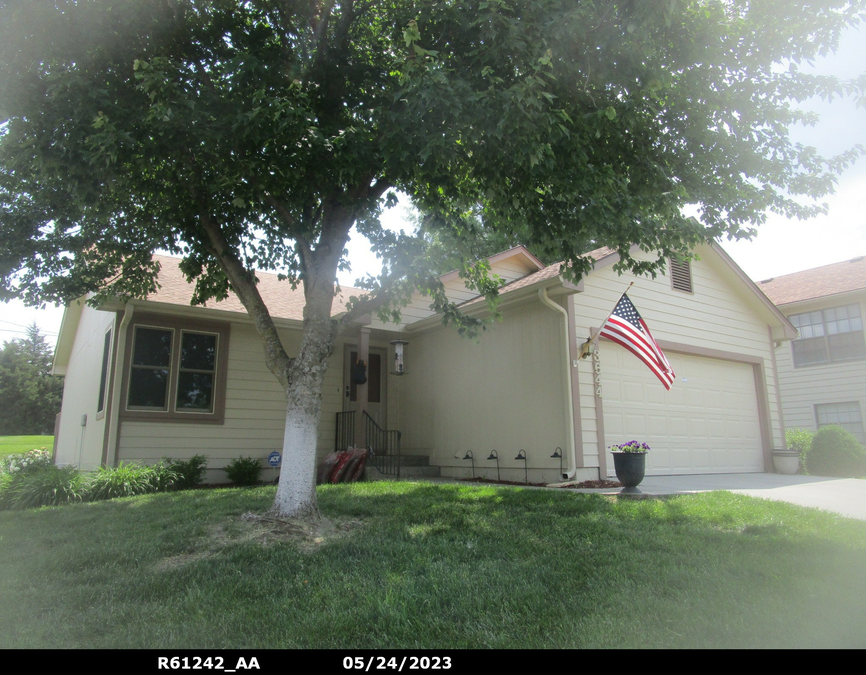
[(470, 456), (557, 454), (522, 457), (495, 455), (397, 361), (587, 348)]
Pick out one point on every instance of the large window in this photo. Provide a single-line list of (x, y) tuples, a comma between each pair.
[(846, 415), (828, 336), (176, 371)]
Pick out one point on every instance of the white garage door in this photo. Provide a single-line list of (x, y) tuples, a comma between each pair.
[(707, 423)]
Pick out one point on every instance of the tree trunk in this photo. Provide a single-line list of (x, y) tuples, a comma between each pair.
[(296, 493)]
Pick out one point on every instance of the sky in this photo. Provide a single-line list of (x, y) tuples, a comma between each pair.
[(781, 246)]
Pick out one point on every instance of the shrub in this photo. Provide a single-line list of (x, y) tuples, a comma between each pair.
[(127, 480), (799, 440), (26, 461), (190, 472), (45, 486), (836, 452), (244, 471)]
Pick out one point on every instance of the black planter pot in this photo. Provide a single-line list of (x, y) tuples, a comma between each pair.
[(630, 468)]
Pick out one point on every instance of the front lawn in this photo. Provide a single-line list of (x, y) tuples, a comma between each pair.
[(10, 445), (417, 565)]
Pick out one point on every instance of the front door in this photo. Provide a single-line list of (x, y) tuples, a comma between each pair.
[(375, 384)]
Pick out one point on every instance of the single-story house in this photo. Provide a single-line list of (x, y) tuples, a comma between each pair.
[(822, 374), (157, 377)]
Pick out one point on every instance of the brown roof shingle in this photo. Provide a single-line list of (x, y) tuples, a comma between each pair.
[(281, 300), (841, 277)]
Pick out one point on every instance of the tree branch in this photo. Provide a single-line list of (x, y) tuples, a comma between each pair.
[(243, 283)]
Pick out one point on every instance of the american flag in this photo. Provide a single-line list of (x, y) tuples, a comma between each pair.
[(626, 327)]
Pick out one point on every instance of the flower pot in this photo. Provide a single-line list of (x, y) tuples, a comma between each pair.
[(786, 462), (630, 468)]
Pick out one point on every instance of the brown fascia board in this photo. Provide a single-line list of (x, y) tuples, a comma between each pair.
[(517, 296)]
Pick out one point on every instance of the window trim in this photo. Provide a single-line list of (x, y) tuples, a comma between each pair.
[(178, 325), (104, 374), (825, 338), (861, 435)]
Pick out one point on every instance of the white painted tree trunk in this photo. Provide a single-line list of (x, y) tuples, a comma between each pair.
[(296, 492)]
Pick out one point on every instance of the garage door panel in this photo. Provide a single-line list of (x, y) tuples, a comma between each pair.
[(707, 422)]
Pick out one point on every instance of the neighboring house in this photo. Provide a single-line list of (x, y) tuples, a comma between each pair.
[(823, 373), (157, 377)]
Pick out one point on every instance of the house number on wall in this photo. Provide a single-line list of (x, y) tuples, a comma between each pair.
[(596, 366)]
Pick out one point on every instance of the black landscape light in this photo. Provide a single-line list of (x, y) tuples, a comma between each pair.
[(495, 455)]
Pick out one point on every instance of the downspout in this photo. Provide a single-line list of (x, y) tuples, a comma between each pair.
[(114, 421), (569, 396)]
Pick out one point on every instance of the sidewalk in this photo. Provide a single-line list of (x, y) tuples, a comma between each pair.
[(845, 496)]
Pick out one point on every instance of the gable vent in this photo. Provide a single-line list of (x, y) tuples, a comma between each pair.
[(681, 275)]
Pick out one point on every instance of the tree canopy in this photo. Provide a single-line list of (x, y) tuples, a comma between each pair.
[(256, 134)]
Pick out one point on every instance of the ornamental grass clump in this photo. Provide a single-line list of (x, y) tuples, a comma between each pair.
[(631, 446), (128, 480), (43, 486)]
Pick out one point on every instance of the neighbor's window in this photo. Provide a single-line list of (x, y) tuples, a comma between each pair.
[(846, 415), (829, 335), (174, 372)]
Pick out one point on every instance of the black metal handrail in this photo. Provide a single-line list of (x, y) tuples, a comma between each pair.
[(384, 446), (345, 436)]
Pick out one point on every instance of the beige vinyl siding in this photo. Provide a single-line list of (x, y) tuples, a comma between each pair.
[(721, 314), (78, 445), (502, 392), (254, 415), (805, 387)]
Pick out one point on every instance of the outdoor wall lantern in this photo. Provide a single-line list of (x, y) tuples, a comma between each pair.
[(397, 361), (495, 455), (587, 348), (469, 455), (522, 457), (557, 454)]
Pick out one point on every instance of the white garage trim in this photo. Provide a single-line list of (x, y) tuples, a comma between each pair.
[(762, 434)]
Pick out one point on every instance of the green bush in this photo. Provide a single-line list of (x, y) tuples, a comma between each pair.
[(45, 486), (127, 480), (836, 452), (799, 440), (244, 471), (190, 472), (25, 461)]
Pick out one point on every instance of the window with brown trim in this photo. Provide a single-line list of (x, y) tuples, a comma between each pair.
[(176, 370), (828, 336)]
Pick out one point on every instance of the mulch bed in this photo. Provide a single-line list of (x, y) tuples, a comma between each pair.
[(592, 485), (587, 484)]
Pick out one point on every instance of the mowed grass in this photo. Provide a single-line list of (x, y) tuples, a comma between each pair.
[(10, 445), (417, 565)]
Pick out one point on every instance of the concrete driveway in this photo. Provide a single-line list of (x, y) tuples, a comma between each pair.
[(845, 496)]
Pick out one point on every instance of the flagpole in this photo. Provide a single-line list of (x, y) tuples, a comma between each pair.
[(592, 338)]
